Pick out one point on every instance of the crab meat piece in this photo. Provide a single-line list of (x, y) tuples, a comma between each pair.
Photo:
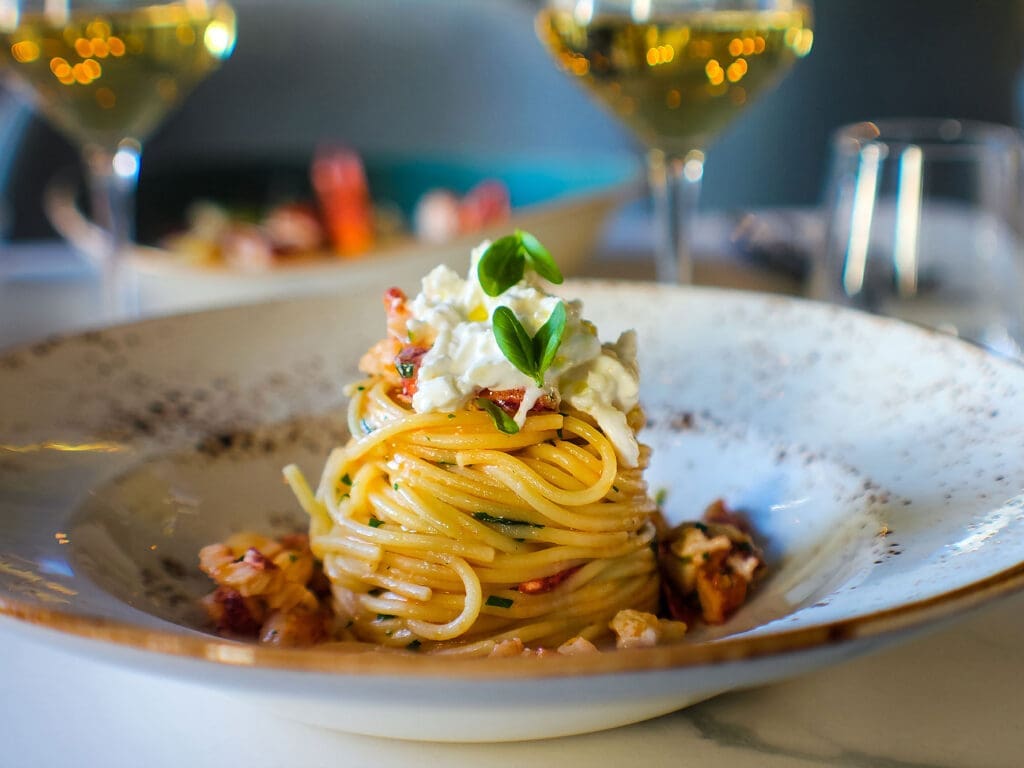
[(638, 629), (576, 646)]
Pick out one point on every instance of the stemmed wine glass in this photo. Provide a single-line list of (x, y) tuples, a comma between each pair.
[(676, 72), (105, 73)]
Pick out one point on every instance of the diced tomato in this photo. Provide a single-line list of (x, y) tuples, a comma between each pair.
[(509, 400), (547, 583)]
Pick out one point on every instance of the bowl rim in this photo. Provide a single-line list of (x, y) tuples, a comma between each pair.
[(378, 662)]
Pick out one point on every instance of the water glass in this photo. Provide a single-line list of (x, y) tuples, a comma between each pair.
[(924, 224)]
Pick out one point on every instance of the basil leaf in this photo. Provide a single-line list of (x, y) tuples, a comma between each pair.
[(515, 343), (502, 420), (539, 257), (549, 339), (501, 266)]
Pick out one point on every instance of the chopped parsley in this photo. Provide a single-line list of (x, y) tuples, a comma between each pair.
[(346, 479), (485, 517), (406, 370), (375, 523), (414, 645), (499, 602)]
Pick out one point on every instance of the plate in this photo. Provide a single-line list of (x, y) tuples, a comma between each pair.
[(563, 201), (883, 465)]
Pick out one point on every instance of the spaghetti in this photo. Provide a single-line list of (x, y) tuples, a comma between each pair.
[(438, 529), (512, 512)]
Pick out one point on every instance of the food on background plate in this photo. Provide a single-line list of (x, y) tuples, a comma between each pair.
[(343, 220), (491, 499)]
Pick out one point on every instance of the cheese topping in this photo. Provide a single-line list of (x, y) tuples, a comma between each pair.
[(600, 380)]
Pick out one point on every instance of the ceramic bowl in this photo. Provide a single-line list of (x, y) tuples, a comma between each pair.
[(882, 465)]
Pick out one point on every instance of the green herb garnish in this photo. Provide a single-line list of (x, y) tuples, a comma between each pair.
[(499, 602), (385, 616), (375, 523), (346, 479), (505, 260), (485, 517), (406, 370), (533, 356), (414, 645), (502, 420), (660, 496)]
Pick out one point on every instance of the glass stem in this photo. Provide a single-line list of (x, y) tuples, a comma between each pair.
[(113, 180), (675, 187)]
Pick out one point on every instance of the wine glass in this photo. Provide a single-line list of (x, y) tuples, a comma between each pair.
[(105, 73), (924, 224), (676, 72)]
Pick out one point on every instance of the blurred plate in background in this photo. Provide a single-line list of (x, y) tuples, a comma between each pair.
[(565, 203)]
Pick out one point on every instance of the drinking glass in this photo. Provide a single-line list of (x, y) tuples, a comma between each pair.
[(676, 72), (105, 73), (924, 224)]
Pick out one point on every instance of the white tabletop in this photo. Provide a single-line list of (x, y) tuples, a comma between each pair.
[(950, 698)]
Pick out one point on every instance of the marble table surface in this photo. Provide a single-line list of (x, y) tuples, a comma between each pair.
[(949, 698)]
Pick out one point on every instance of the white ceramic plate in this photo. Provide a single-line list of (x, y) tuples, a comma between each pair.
[(883, 464)]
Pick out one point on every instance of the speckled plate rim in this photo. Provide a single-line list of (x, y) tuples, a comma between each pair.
[(902, 618), (372, 662)]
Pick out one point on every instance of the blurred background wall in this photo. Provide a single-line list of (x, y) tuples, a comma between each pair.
[(469, 76)]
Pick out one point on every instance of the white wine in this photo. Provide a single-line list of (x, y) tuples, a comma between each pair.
[(678, 80), (102, 76)]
